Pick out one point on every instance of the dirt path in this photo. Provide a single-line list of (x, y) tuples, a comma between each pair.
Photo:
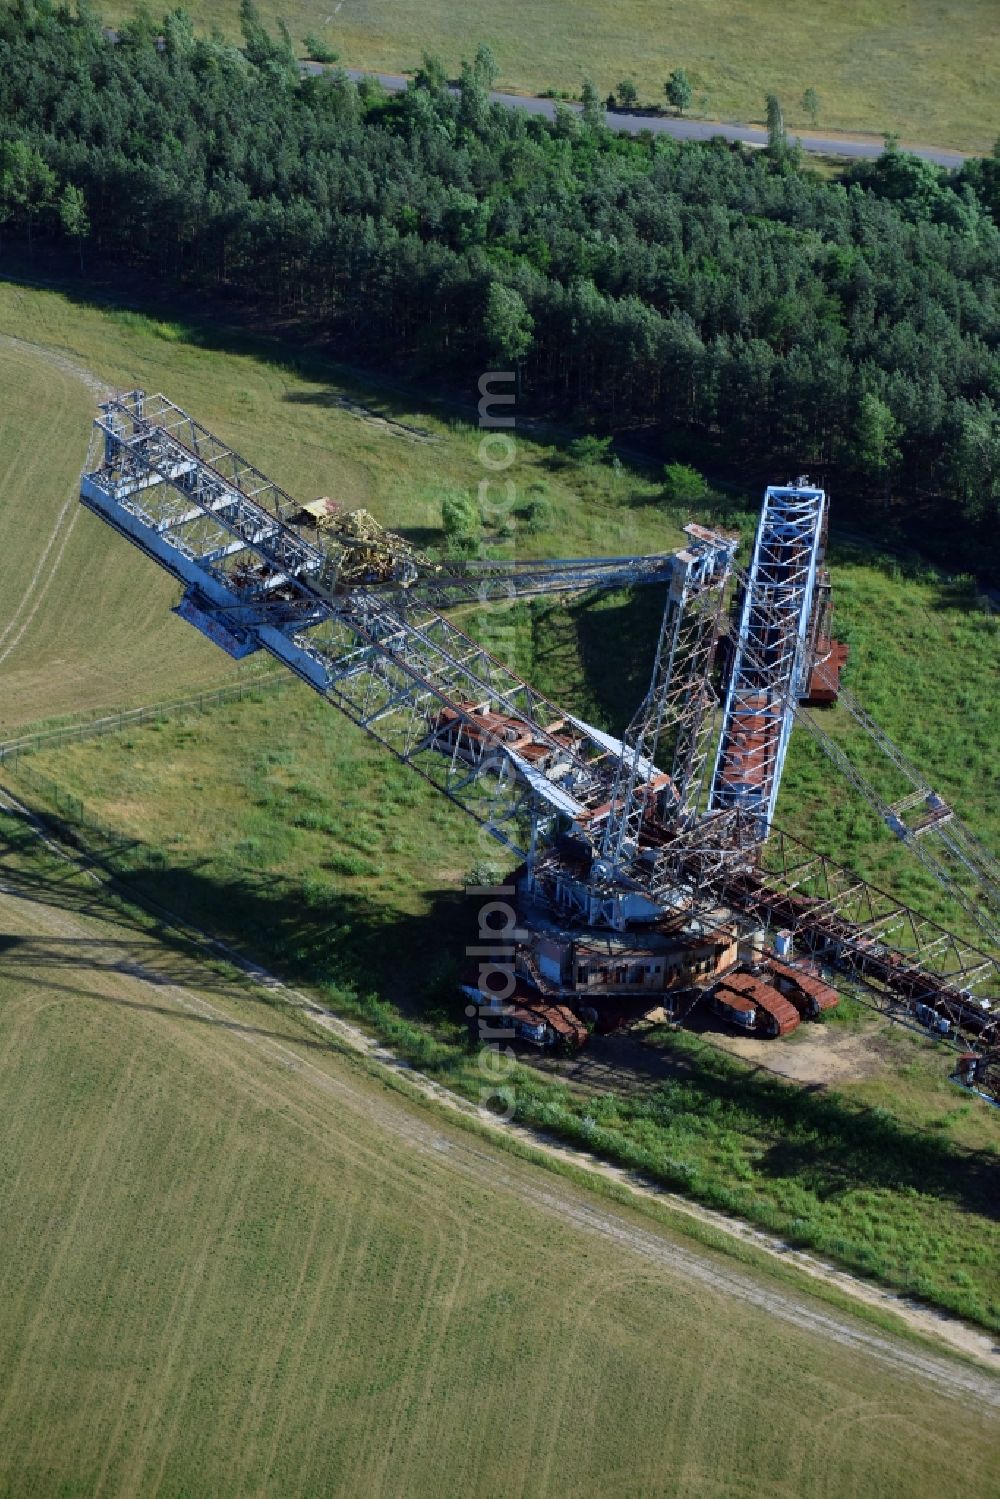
[(56, 359), (467, 1157)]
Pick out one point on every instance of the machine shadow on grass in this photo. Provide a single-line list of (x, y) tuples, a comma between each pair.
[(815, 1139), (363, 960), (77, 957), (305, 944), (341, 941), (609, 645)]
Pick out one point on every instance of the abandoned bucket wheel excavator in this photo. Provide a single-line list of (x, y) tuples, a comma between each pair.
[(650, 873)]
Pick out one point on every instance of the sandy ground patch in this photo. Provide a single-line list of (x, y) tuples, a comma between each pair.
[(815, 1054)]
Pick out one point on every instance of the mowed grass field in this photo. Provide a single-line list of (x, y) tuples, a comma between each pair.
[(78, 628), (927, 70), (231, 1263)]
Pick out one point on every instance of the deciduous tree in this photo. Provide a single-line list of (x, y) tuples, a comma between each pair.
[(72, 208), (678, 90)]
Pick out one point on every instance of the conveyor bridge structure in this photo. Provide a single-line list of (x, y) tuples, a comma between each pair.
[(597, 819), (380, 651)]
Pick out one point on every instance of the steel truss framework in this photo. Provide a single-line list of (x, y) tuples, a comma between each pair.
[(457, 714), (869, 936), (486, 582), (895, 957), (679, 704), (391, 662), (770, 651), (499, 582), (921, 818)]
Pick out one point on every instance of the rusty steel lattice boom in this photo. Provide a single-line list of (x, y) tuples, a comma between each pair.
[(920, 818), (392, 663), (350, 609), (892, 955), (679, 704)]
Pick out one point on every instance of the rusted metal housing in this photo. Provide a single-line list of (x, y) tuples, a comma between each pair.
[(735, 1008), (525, 1015), (775, 1015), (824, 679), (900, 974), (806, 991), (477, 727)]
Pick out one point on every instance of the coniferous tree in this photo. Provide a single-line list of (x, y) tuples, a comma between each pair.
[(779, 318)]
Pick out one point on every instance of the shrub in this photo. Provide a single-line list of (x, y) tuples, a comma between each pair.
[(460, 518), (683, 485), (459, 512), (539, 514), (317, 50), (590, 450), (484, 876)]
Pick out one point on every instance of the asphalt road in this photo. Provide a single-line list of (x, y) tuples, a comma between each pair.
[(684, 130)]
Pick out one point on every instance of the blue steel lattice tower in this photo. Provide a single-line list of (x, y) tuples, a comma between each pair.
[(771, 659)]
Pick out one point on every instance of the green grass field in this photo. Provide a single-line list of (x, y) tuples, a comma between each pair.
[(926, 70), (923, 662), (275, 822), (277, 825), (231, 1263)]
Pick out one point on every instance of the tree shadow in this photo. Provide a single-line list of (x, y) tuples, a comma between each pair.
[(958, 593), (424, 538), (227, 323), (965, 596)]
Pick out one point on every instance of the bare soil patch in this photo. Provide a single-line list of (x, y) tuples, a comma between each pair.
[(816, 1055)]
